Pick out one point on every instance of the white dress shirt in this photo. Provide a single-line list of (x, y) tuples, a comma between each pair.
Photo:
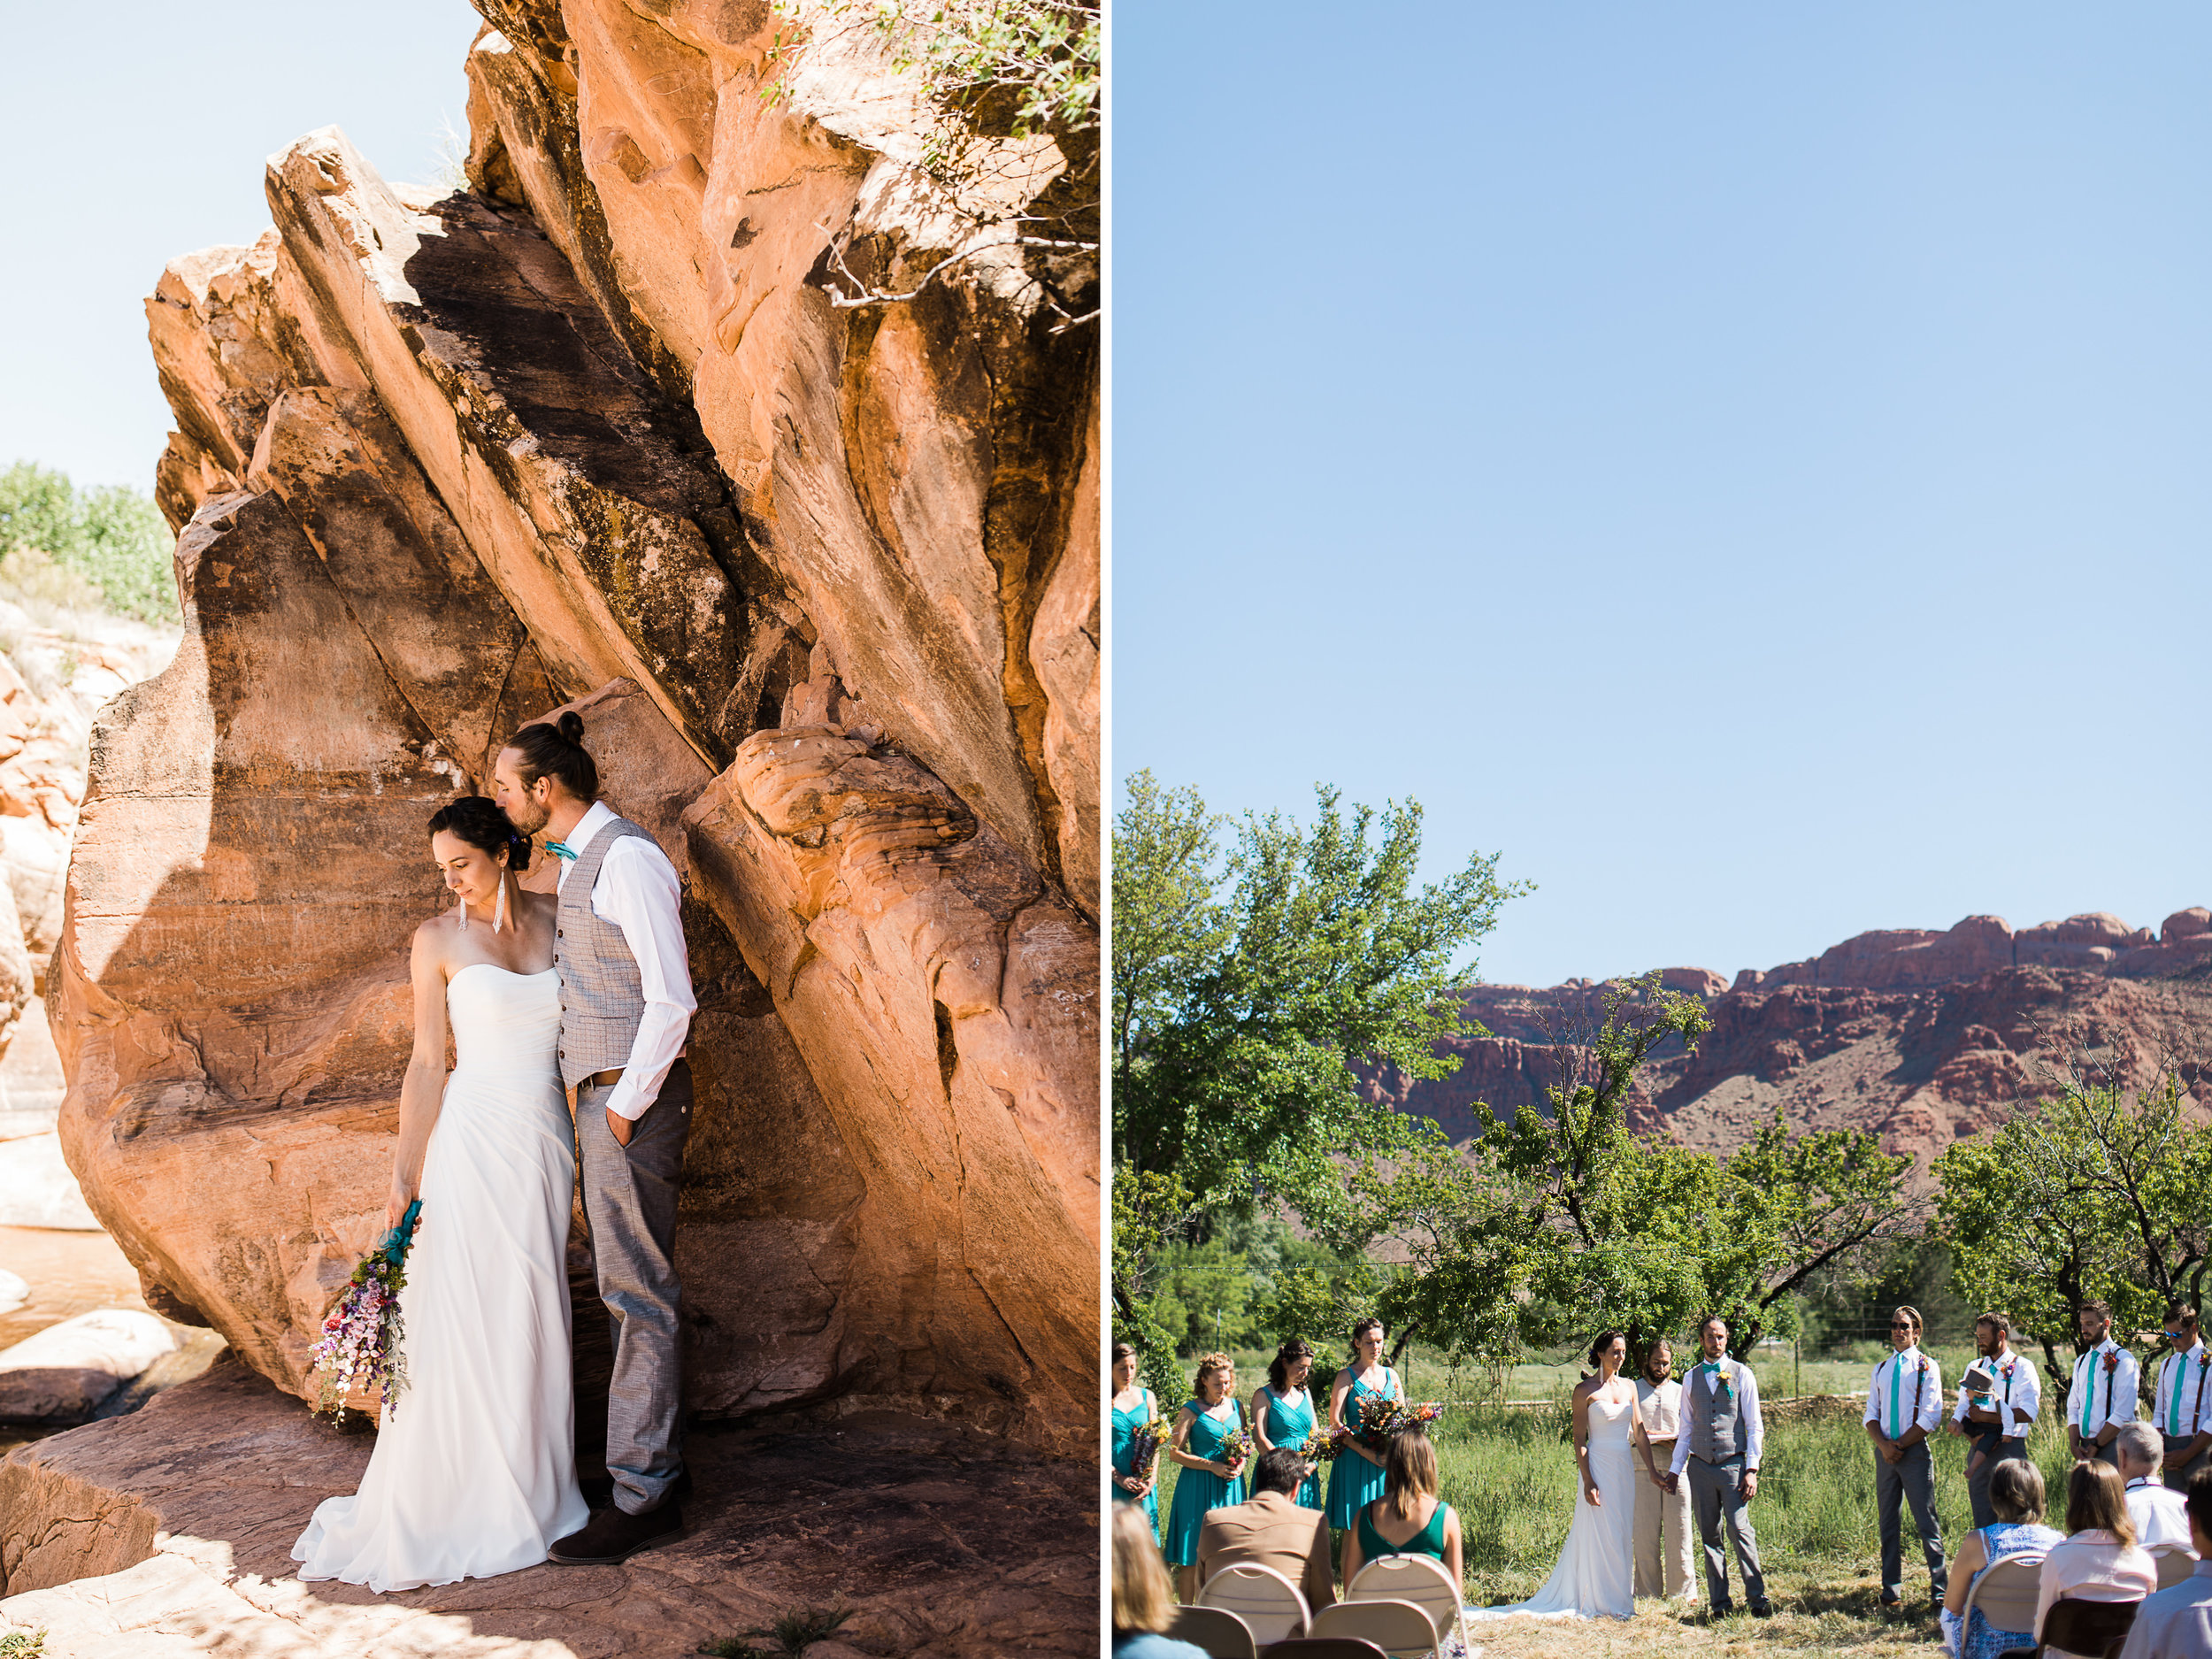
[(1661, 1407), (2182, 1381), (2108, 1397), (2161, 1515), (2018, 1397), (638, 892), (1917, 1378), (1697, 1386)]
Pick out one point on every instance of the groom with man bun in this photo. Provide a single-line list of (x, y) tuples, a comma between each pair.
[(626, 1009)]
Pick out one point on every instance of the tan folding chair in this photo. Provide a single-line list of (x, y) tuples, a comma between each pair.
[(1420, 1579), (2006, 1594), (1220, 1632), (1327, 1648), (1401, 1628), (1270, 1604), (2175, 1563)]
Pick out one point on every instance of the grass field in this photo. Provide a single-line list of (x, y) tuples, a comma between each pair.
[(1510, 1473)]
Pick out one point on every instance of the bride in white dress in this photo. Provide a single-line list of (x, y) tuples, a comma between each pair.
[(1595, 1576), (474, 1470)]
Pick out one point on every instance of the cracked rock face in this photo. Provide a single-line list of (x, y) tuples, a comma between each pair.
[(824, 585)]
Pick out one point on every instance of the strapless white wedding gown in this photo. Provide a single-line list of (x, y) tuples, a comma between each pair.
[(1595, 1576), (474, 1470)]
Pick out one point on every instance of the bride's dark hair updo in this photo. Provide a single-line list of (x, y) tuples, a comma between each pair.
[(1606, 1339), (477, 819), (558, 751)]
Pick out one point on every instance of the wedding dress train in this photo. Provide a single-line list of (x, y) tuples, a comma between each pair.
[(474, 1470), (1595, 1576)]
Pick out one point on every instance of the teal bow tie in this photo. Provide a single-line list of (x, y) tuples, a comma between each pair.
[(561, 850)]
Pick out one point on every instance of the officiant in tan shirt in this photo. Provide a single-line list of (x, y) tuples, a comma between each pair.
[(1662, 1517), (1273, 1530)]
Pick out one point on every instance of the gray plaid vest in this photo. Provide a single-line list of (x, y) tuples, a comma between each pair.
[(602, 999), (1716, 1425)]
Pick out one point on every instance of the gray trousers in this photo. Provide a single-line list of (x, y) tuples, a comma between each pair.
[(1911, 1479), (2177, 1474), (630, 1201), (1977, 1483), (1715, 1495)]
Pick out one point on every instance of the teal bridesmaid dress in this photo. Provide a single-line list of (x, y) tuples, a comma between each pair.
[(1354, 1482), (1125, 1426), (1290, 1425), (1199, 1490)]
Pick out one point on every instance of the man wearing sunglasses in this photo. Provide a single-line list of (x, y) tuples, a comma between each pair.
[(2182, 1399), (1904, 1405)]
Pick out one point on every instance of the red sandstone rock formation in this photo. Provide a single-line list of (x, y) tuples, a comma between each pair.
[(824, 584)]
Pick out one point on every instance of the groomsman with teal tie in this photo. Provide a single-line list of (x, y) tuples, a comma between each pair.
[(1904, 1405), (2182, 1401), (2015, 1402), (2102, 1395)]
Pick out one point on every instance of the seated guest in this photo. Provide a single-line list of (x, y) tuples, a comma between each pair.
[(2155, 1507), (2099, 1560), (1409, 1519), (1273, 1529), (2177, 1624), (1142, 1606), (2015, 1493)]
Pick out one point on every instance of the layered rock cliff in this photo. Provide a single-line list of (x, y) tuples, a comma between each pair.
[(825, 583), (1921, 1036)]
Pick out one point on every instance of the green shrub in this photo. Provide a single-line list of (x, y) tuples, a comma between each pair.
[(114, 539)]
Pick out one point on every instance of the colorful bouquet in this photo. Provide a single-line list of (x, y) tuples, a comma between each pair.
[(1380, 1418), (1323, 1445), (1236, 1450), (1150, 1437), (360, 1345)]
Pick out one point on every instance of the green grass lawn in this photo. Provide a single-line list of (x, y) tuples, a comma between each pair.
[(1510, 1473)]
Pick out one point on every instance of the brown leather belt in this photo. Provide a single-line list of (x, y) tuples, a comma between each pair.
[(605, 1079)]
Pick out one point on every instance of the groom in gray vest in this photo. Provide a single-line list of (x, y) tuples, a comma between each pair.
[(626, 1009), (1718, 1445)]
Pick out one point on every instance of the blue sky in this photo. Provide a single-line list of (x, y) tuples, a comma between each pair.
[(138, 132), (1748, 464)]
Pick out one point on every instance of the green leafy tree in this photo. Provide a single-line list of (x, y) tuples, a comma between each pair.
[(114, 538), (2094, 1193)]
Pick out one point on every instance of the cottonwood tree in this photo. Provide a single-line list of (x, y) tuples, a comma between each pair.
[(2094, 1192), (1563, 1221), (1252, 985)]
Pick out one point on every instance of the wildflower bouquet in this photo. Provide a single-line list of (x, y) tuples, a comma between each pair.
[(1150, 1437), (1323, 1444), (360, 1345), (1380, 1418), (1236, 1450)]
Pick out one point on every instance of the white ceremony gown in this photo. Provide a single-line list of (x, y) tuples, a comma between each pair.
[(474, 1470), (1595, 1576)]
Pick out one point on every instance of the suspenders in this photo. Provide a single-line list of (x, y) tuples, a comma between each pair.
[(2204, 1365)]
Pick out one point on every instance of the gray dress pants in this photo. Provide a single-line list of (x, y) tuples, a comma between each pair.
[(1911, 1479), (1977, 1483), (1716, 1494), (630, 1201), (2177, 1475)]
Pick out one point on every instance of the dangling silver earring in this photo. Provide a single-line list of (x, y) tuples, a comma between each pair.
[(499, 908), (461, 908)]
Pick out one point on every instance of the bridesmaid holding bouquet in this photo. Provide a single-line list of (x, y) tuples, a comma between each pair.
[(1282, 1412), (1134, 1409), (1205, 1443), (1355, 1480)]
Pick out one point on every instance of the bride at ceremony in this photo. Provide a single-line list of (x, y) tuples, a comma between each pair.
[(1595, 1576)]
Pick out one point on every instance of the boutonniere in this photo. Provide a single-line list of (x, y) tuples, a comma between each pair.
[(2112, 1362)]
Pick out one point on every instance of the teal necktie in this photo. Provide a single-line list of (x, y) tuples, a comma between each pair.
[(2089, 1391), (1896, 1375), (561, 850)]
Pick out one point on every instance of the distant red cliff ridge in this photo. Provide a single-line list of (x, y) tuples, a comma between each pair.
[(1923, 1036)]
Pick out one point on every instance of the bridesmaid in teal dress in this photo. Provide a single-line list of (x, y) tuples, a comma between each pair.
[(1133, 1408), (1205, 1422), (1282, 1412), (1355, 1480)]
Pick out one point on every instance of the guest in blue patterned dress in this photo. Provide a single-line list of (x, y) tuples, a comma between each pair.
[(1207, 1481), (1355, 1480), (1282, 1412), (2015, 1491), (1133, 1408)]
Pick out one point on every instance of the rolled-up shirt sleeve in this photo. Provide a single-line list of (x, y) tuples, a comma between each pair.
[(1755, 1439), (638, 892)]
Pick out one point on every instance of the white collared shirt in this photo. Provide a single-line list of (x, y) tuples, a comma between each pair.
[(2160, 1513), (2108, 1397), (637, 891), (1695, 1388), (2018, 1397), (2182, 1379), (1916, 1376)]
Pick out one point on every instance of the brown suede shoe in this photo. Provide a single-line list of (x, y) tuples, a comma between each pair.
[(612, 1536)]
